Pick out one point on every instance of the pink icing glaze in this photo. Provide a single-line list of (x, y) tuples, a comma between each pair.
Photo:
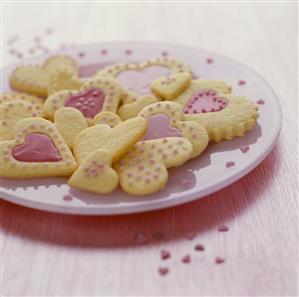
[(205, 101), (140, 81), (90, 102), (158, 126), (37, 148)]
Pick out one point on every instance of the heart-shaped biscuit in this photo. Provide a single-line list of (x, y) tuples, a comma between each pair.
[(69, 122), (211, 104), (144, 169), (131, 110), (171, 86), (38, 150), (36, 102), (165, 119), (95, 96), (64, 78), (109, 118), (34, 79), (13, 111), (117, 141), (137, 78), (95, 174)]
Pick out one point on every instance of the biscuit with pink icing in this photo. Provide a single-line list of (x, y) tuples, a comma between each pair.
[(69, 122), (109, 118), (117, 141), (144, 169), (137, 78), (165, 119), (64, 78), (210, 104), (95, 96), (95, 174), (33, 79), (37, 150), (131, 110), (171, 86), (13, 111)]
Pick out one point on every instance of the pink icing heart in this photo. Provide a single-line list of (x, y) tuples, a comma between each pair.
[(90, 102), (205, 101), (158, 126), (37, 148), (140, 81)]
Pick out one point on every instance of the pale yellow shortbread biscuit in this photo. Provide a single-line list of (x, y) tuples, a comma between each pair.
[(165, 119), (132, 109), (95, 96), (117, 141), (13, 111), (37, 150), (171, 86), (95, 174), (69, 122), (224, 115), (33, 79), (144, 169)]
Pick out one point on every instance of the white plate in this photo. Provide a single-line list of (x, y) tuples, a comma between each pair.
[(207, 173)]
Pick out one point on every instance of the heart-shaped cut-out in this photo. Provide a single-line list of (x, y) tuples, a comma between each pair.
[(205, 101), (158, 126), (89, 102), (36, 148), (140, 81)]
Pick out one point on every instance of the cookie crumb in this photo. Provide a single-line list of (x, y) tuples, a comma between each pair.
[(163, 270), (244, 149), (219, 260), (230, 164), (140, 238), (222, 228), (199, 247), (165, 254), (186, 259), (67, 198), (241, 82)]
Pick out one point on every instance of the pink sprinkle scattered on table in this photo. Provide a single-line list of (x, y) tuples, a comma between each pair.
[(209, 60), (222, 228), (67, 198), (230, 164), (186, 259), (244, 149), (190, 235), (165, 254), (219, 260), (260, 102), (140, 238), (163, 270), (199, 247), (187, 183), (241, 82)]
